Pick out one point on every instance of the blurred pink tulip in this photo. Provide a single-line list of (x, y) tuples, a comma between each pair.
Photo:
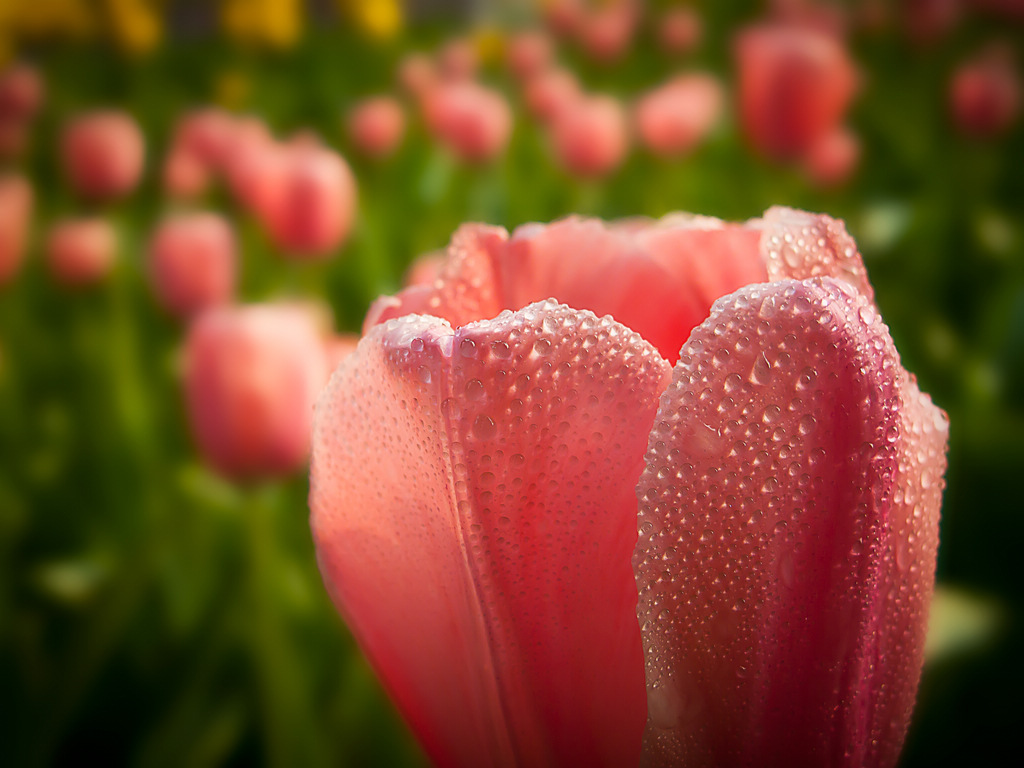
[(207, 135), (192, 262), (680, 30), (590, 136), (376, 126), (81, 252), (564, 17), (310, 206), (16, 201), (795, 85), (252, 374), (985, 94), (457, 59), (607, 32), (417, 74), (481, 475), (550, 92), (254, 166), (673, 118), (529, 53), (21, 92), (832, 160), (337, 348), (103, 154), (472, 121), (185, 176), (425, 269)]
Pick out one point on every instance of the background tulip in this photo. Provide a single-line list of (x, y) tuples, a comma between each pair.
[(472, 121), (192, 262), (795, 85), (832, 160), (788, 512), (21, 92), (985, 94), (103, 154), (673, 118), (549, 93), (376, 126), (15, 215), (529, 53), (81, 251), (680, 30), (252, 374), (590, 136)]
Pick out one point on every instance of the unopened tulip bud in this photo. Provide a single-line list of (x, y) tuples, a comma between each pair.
[(672, 119), (103, 154), (472, 121), (591, 137), (16, 200), (376, 126), (81, 252), (192, 262)]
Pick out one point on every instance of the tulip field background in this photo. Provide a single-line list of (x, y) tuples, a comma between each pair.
[(153, 613)]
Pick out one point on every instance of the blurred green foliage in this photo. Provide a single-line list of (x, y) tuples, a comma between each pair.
[(153, 614)]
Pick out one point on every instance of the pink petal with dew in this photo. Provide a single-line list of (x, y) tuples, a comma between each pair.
[(464, 291), (477, 485), (775, 464), (659, 280)]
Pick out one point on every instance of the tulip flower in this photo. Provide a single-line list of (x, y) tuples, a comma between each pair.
[(564, 17), (206, 134), (673, 118), (483, 460), (795, 85), (606, 33), (590, 136), (832, 160), (192, 262), (185, 176), (680, 30), (309, 202), (528, 54), (376, 126), (16, 200), (81, 252), (472, 121), (550, 92), (21, 92), (457, 60), (417, 74), (103, 154), (985, 94), (425, 269), (252, 374)]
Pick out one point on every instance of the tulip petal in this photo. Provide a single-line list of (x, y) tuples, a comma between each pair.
[(465, 290), (660, 280), (781, 484), (799, 245), (473, 505)]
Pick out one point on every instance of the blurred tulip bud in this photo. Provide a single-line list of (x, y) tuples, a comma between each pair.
[(103, 154), (310, 211), (680, 30), (590, 137), (795, 85), (457, 59), (252, 375), (673, 118), (81, 252), (472, 121), (831, 161), (21, 92), (417, 75), (16, 200), (185, 176), (985, 94), (192, 262), (254, 166), (547, 94), (564, 17), (376, 126), (207, 135), (606, 33), (425, 269), (528, 54)]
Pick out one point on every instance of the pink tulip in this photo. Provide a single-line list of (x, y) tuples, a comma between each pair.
[(680, 30), (425, 269), (985, 94), (21, 92), (376, 126), (185, 176), (795, 85), (481, 464), (81, 252), (590, 136), (607, 32), (16, 201), (564, 17), (457, 60), (550, 92), (252, 374), (528, 54), (417, 74), (207, 135), (192, 262), (337, 348), (254, 166), (309, 207), (103, 154), (832, 160), (673, 118), (472, 121)]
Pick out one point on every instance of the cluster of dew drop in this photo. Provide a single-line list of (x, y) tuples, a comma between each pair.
[(741, 481)]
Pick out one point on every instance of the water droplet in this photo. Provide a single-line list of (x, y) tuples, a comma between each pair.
[(475, 389), (467, 348), (761, 372), (483, 427), (542, 346), (500, 350)]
